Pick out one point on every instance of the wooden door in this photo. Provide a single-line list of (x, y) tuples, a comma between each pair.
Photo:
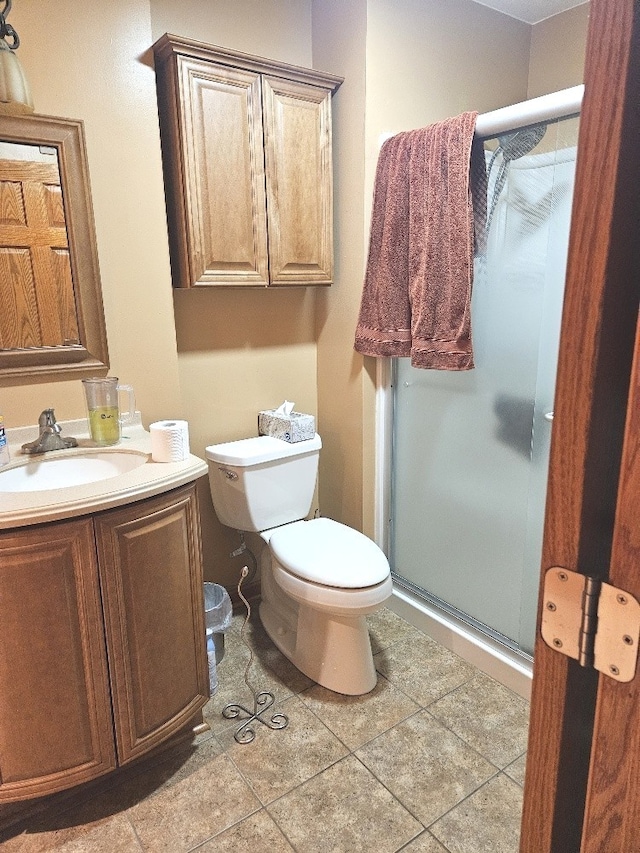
[(582, 785), (612, 813), (297, 127), (55, 713), (36, 287), (151, 574)]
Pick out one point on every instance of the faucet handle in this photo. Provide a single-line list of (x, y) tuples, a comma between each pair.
[(47, 421), (50, 437)]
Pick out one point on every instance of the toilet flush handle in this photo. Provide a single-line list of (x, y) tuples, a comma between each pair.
[(230, 475)]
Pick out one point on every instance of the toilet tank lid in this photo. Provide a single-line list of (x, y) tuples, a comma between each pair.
[(261, 448)]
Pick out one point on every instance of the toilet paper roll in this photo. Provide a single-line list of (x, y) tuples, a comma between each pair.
[(169, 441)]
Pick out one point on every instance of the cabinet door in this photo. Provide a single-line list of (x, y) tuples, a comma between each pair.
[(55, 715), (297, 126), (151, 574), (223, 192)]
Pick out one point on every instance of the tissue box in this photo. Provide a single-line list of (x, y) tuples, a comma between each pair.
[(292, 427)]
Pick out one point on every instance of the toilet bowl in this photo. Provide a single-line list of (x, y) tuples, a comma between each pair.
[(329, 577), (319, 578)]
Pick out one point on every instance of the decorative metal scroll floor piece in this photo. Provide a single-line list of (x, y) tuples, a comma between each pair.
[(262, 700)]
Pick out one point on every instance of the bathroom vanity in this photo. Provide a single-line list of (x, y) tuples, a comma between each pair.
[(101, 622)]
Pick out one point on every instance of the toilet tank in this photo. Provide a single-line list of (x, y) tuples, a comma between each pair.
[(262, 482)]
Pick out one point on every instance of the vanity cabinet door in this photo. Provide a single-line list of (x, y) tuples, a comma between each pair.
[(151, 575), (297, 128), (55, 713)]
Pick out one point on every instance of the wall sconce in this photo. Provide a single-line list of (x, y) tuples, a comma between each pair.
[(15, 95)]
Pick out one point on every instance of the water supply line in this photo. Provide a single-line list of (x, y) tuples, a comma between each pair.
[(241, 549)]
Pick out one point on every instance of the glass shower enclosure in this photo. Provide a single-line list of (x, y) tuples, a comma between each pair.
[(470, 449)]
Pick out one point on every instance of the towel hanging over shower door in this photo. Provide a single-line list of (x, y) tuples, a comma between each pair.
[(428, 215)]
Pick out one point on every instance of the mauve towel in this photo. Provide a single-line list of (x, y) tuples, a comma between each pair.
[(417, 289)]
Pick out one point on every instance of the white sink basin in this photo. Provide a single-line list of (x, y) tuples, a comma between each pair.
[(61, 472)]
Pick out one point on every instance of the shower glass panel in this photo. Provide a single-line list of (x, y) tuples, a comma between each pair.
[(471, 449)]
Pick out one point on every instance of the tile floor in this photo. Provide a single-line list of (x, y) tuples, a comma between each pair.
[(430, 761)]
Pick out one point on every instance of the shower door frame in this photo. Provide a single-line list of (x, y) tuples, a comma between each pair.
[(508, 665)]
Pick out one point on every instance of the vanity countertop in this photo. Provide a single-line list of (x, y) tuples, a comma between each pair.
[(21, 508)]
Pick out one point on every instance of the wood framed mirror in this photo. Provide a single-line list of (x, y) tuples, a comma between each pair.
[(51, 315)]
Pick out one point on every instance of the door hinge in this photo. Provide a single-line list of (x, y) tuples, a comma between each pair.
[(591, 621)]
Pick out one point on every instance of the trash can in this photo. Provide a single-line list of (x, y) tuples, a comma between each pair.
[(217, 616)]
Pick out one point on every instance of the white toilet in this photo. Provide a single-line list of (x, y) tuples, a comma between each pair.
[(319, 578)]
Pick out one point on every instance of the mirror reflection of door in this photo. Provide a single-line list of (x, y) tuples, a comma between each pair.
[(36, 287)]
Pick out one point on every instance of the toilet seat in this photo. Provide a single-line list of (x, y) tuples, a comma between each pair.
[(326, 552)]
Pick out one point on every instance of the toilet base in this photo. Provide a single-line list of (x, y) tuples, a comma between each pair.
[(334, 651)]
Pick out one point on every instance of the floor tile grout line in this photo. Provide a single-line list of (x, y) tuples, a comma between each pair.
[(466, 743), (135, 832), (331, 764), (390, 792), (463, 800), (368, 770), (351, 752), (371, 739), (448, 727), (281, 828), (504, 769), (65, 801), (425, 709), (301, 784), (475, 675), (470, 745), (431, 701), (497, 772), (215, 835), (424, 832)]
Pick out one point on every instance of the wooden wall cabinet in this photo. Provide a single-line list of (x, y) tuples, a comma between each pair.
[(246, 148), (102, 641)]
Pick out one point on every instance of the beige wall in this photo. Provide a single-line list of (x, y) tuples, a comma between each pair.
[(339, 43), (557, 52), (96, 67), (278, 29), (406, 64), (217, 356), (240, 351)]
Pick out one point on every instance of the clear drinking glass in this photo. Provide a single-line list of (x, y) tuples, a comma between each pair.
[(103, 408)]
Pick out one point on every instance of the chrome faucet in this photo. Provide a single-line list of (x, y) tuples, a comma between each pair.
[(50, 437)]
